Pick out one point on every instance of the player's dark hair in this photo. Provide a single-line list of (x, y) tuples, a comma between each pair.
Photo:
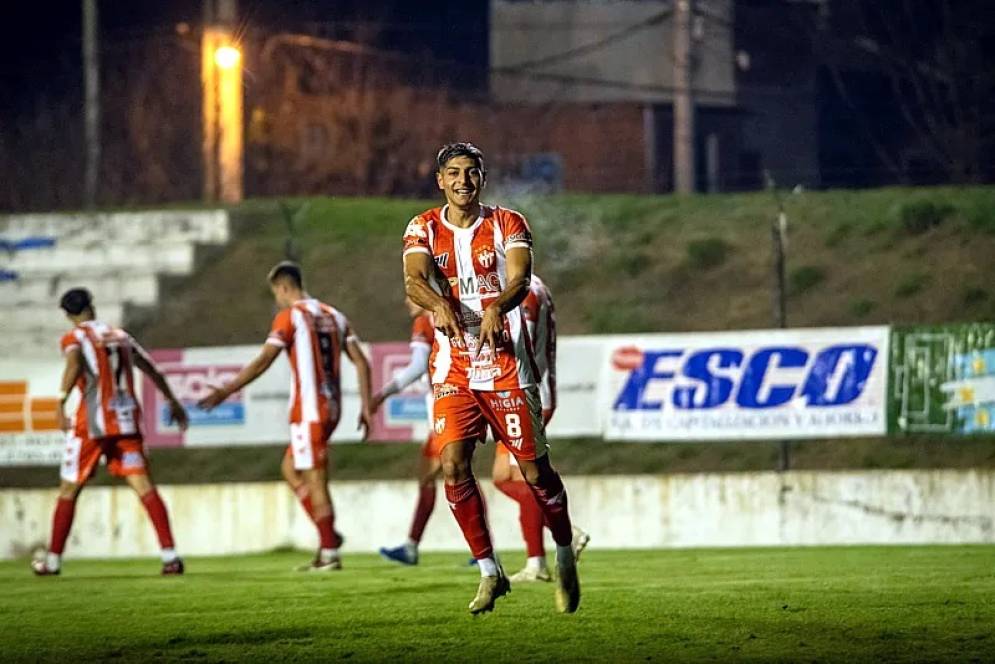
[(451, 150), (75, 301), (288, 270)]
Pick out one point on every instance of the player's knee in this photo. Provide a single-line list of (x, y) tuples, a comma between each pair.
[(455, 470), (68, 490)]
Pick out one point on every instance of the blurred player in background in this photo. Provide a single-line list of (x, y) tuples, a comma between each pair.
[(314, 335), (430, 464), (540, 320), (470, 265), (100, 361)]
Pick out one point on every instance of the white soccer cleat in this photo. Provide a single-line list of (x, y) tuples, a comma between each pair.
[(530, 575), (579, 542)]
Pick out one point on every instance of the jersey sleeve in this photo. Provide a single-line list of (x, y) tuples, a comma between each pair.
[(348, 333), (281, 333), (68, 342), (422, 331), (416, 237), (517, 233), (137, 348)]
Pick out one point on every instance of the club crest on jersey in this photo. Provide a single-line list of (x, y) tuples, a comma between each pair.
[(440, 425), (486, 258), (442, 260), (415, 229)]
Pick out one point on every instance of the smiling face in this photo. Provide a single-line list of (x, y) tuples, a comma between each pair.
[(461, 179)]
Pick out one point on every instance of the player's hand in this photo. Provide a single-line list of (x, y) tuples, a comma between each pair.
[(178, 415), (446, 321), (214, 399), (60, 414), (377, 401), (365, 423), (491, 329)]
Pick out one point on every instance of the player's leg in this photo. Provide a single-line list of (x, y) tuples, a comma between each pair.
[(522, 429), (79, 459), (508, 480), (295, 480), (309, 443), (429, 470), (459, 423), (126, 458)]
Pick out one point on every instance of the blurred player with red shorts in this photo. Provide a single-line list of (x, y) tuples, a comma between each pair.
[(100, 361), (470, 265), (430, 463), (540, 320), (315, 335)]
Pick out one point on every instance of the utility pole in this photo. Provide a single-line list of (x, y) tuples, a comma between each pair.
[(91, 111), (684, 161), (222, 121), (779, 242)]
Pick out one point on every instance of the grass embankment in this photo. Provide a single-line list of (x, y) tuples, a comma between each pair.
[(818, 604)]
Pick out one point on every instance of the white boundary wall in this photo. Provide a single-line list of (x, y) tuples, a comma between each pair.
[(640, 511)]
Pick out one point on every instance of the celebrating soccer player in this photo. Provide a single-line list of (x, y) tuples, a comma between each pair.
[(471, 265), (430, 466), (100, 361), (314, 335), (540, 321)]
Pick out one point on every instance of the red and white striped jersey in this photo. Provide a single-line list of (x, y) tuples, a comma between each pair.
[(540, 320), (108, 406), (314, 335), (470, 274)]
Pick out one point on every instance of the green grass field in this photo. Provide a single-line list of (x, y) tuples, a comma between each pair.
[(818, 604)]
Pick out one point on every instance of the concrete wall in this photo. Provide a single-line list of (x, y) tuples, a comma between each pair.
[(644, 511)]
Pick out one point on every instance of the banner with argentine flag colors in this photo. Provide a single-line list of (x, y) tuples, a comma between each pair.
[(943, 379)]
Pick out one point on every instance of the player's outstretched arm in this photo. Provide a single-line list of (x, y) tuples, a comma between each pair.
[(251, 371), (415, 369), (518, 275), (178, 413), (417, 269), (355, 352), (70, 374)]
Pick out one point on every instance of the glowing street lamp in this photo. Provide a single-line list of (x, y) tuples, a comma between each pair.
[(221, 81), (227, 57)]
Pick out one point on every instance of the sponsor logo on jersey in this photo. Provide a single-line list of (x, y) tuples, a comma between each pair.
[(768, 377), (506, 403), (443, 390), (477, 284), (519, 237), (416, 229), (515, 442), (482, 374), (440, 425), (442, 260), (486, 258)]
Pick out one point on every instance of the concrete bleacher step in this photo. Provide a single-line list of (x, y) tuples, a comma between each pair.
[(115, 286), (121, 228), (48, 317), (173, 258)]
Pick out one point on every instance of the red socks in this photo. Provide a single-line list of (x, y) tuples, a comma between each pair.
[(62, 521), (468, 508), (426, 503), (529, 515), (160, 518), (552, 499), (327, 537), (304, 495)]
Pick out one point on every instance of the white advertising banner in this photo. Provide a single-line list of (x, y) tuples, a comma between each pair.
[(29, 432), (762, 384)]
